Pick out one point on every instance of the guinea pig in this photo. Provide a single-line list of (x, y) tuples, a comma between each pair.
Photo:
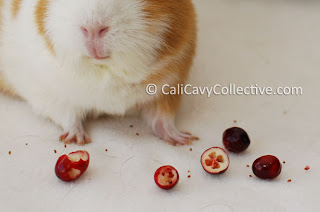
[(72, 58)]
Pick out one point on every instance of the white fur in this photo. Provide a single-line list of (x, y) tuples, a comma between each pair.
[(68, 85)]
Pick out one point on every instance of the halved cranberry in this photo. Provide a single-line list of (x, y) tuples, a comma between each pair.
[(267, 167), (166, 177), (236, 139), (71, 167), (215, 160)]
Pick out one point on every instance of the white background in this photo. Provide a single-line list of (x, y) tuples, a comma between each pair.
[(272, 43)]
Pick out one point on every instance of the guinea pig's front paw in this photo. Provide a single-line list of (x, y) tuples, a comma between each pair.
[(181, 138), (168, 132), (78, 136)]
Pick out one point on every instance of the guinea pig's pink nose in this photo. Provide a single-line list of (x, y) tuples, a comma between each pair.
[(95, 32)]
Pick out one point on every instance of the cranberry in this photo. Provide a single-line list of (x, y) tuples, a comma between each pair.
[(266, 167), (215, 160), (236, 140), (71, 167), (166, 177)]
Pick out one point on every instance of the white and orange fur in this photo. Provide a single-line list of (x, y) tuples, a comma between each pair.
[(64, 74)]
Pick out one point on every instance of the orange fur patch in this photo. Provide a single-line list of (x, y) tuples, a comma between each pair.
[(16, 5), (182, 22), (180, 41), (41, 15)]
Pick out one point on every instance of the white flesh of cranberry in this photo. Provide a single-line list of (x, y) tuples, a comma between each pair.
[(215, 160), (75, 157), (164, 178), (74, 173)]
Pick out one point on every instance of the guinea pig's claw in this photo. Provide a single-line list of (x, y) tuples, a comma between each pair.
[(79, 138), (167, 131), (181, 139), (63, 137)]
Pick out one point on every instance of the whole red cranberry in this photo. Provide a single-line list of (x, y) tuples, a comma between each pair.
[(267, 167), (236, 139)]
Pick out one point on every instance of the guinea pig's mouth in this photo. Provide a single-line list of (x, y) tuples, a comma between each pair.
[(101, 58), (96, 59)]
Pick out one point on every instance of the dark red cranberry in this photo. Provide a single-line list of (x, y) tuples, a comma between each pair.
[(266, 167), (236, 140)]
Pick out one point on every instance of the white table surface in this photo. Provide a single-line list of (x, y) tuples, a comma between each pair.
[(271, 43)]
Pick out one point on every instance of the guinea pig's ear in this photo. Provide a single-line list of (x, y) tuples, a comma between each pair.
[(41, 14)]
